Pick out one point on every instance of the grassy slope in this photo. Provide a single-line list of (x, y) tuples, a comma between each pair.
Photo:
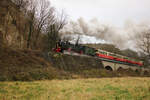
[(80, 89), (24, 65)]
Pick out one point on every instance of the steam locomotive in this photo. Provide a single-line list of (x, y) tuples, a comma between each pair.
[(98, 53)]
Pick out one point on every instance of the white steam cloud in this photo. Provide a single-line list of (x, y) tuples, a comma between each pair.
[(121, 37)]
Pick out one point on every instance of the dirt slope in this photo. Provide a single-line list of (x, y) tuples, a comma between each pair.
[(24, 65)]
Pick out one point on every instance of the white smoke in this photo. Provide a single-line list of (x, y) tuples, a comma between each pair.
[(123, 38)]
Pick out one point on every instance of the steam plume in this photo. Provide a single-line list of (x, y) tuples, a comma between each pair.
[(121, 37)]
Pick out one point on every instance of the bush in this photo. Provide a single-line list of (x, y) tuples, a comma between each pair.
[(3, 78)]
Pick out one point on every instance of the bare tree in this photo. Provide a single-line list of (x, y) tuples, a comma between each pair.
[(46, 15), (143, 43), (39, 13), (31, 20), (61, 21), (21, 4), (42, 18), (54, 28), (78, 40)]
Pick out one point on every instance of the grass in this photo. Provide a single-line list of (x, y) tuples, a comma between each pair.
[(79, 89)]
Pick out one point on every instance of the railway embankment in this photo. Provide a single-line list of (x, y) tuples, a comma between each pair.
[(30, 65), (79, 66), (86, 66), (74, 63)]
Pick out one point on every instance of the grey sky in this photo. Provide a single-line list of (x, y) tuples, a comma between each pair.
[(114, 12)]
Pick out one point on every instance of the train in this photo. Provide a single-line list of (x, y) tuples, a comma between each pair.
[(98, 53)]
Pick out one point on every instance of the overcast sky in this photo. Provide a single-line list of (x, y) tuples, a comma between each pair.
[(114, 12)]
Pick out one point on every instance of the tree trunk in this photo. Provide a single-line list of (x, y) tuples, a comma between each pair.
[(1, 43), (1, 39), (29, 36)]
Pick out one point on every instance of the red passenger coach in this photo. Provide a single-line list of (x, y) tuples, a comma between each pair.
[(105, 56), (118, 59)]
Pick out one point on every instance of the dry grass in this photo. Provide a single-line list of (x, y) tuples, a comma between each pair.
[(79, 89), (24, 65)]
